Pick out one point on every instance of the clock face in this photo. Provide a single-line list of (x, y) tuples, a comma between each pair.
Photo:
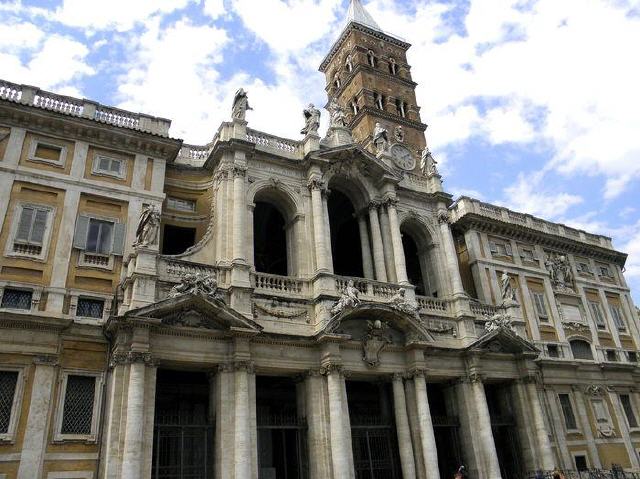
[(402, 157)]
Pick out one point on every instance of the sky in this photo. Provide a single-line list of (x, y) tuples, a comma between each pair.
[(531, 104)]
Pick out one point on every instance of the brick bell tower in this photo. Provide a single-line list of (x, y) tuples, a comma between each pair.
[(368, 75)]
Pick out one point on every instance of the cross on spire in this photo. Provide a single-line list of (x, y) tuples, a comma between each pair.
[(358, 14)]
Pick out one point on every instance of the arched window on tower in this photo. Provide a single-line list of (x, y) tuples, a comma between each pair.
[(378, 100), (393, 67), (354, 105), (336, 80), (371, 59), (349, 64), (401, 108)]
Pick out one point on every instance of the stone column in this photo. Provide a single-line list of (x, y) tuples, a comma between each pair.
[(376, 239), (546, 456), (221, 215), (389, 259), (149, 419), (249, 235), (35, 435), (451, 256), (341, 453), (327, 229), (316, 186), (367, 262), (242, 429), (239, 214), (132, 456), (317, 426), (427, 437), (396, 239), (402, 429), (414, 425)]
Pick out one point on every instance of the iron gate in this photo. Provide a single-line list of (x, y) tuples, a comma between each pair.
[(286, 433), (183, 452), (375, 452)]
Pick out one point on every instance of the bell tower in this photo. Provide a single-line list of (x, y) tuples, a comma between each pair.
[(368, 75)]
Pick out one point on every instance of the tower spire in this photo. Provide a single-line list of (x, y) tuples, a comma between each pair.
[(358, 14)]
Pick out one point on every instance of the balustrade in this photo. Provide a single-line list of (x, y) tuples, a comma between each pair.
[(10, 91), (59, 103), (481, 310), (265, 140), (432, 304), (272, 282)]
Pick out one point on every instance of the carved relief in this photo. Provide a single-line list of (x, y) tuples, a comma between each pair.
[(399, 302), (374, 342), (560, 273), (197, 284), (277, 310), (498, 321), (349, 299)]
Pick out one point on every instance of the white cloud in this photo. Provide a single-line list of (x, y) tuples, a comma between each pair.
[(17, 36), (214, 8)]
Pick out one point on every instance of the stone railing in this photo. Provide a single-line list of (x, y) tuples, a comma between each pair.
[(369, 289), (81, 108), (193, 154), (481, 310), (172, 270), (466, 205), (273, 143), (432, 305), (279, 284)]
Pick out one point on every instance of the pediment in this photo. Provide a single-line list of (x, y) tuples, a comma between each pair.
[(404, 328), (196, 311), (354, 155), (503, 340)]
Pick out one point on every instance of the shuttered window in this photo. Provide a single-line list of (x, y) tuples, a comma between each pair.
[(598, 316), (32, 225), (99, 236), (618, 319), (567, 412), (109, 166), (541, 306), (581, 350), (625, 400)]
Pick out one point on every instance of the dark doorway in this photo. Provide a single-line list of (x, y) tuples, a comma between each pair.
[(269, 240), (414, 270), (345, 236), (446, 426), (184, 427), (505, 431), (282, 451), (373, 432), (177, 240)]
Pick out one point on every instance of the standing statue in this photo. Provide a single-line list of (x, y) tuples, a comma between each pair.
[(398, 134), (380, 138), (349, 299), (559, 271), (428, 165), (508, 293), (148, 226), (240, 105), (337, 114), (312, 120)]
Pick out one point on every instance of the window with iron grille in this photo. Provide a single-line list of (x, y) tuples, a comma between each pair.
[(541, 306), (8, 384), (16, 299), (618, 319), (596, 312), (77, 415), (625, 400), (581, 349), (567, 412), (90, 308)]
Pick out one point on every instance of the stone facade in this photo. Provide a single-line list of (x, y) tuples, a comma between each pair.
[(147, 331)]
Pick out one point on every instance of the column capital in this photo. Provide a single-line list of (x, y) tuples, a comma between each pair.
[(331, 368), (374, 205), (131, 357), (416, 373), (316, 184), (530, 377), (444, 217), (238, 171), (473, 377), (390, 201), (233, 366)]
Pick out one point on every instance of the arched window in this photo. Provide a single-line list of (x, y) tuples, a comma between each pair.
[(378, 100), (354, 105), (269, 240), (419, 259), (345, 235), (349, 64), (336, 80), (401, 107), (371, 59), (581, 349), (393, 67)]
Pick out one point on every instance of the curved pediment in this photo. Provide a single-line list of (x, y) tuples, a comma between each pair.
[(193, 310), (403, 327), (503, 340), (343, 158)]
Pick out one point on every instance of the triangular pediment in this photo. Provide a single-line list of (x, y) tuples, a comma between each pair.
[(502, 340), (195, 311), (354, 155)]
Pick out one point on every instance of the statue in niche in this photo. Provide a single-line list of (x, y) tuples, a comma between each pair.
[(312, 120), (400, 303), (148, 227), (508, 291), (399, 134), (337, 114), (197, 284), (559, 271), (428, 165), (349, 299), (240, 105), (374, 342), (380, 138)]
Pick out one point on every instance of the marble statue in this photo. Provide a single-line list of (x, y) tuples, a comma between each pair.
[(428, 165), (400, 303), (198, 284), (337, 115), (399, 134), (148, 230), (349, 299), (559, 271), (312, 120), (380, 138), (240, 105), (498, 321), (508, 292)]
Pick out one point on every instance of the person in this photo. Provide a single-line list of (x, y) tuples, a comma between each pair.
[(557, 474), (461, 473)]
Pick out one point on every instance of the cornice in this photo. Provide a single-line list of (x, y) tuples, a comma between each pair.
[(369, 69), (385, 115)]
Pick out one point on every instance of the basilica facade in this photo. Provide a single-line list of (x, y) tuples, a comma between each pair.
[(319, 308)]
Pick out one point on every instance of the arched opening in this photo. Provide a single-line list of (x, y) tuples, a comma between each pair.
[(345, 236), (581, 349), (420, 259), (269, 240)]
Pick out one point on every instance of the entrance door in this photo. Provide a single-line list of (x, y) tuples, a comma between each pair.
[(505, 431), (373, 432), (183, 430)]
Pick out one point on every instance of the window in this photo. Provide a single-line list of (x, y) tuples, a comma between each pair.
[(583, 268), (581, 349), (611, 355), (393, 67), (541, 306), (90, 308), (354, 106), (77, 414), (336, 80), (528, 255), (632, 356), (581, 463), (31, 231), (596, 312), (618, 319), (17, 299), (349, 64), (567, 412), (176, 240), (378, 100), (371, 59), (105, 165), (627, 407), (500, 248), (178, 204), (401, 108), (98, 238), (47, 152), (8, 388), (604, 271), (553, 351)]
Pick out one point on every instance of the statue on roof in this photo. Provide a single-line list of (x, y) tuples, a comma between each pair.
[(240, 105), (312, 120), (337, 114), (380, 138), (428, 164)]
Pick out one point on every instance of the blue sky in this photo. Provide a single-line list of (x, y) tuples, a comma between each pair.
[(532, 104)]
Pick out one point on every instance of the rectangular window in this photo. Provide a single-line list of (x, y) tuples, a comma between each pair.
[(100, 236), (612, 356), (553, 351), (178, 204), (583, 268), (581, 463), (97, 236), (79, 398), (106, 165), (625, 400), (31, 230), (90, 308), (541, 306), (567, 412), (632, 356), (499, 248), (597, 313), (618, 319), (528, 255), (571, 313), (16, 299), (8, 387)]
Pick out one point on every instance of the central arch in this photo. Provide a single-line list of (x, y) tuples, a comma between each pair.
[(345, 236), (420, 258)]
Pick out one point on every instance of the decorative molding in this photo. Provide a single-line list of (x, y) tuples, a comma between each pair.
[(46, 360), (131, 357)]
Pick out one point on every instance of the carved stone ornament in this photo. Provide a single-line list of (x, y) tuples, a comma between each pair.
[(560, 272), (594, 390), (440, 327), (316, 184), (606, 430), (198, 284), (498, 321), (380, 138), (444, 217), (399, 302), (348, 300), (399, 134), (45, 360), (374, 342), (311, 120), (240, 105), (576, 326), (189, 319), (130, 357), (147, 233)]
